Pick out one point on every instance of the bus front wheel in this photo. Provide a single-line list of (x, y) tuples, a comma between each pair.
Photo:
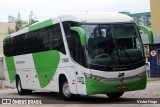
[(115, 95), (20, 90), (64, 90)]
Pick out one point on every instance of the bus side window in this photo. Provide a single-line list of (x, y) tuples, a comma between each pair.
[(45, 39), (55, 37), (56, 40), (45, 36), (7, 47), (74, 44), (77, 47), (14, 48), (30, 42)]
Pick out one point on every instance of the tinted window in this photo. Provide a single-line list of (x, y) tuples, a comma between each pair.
[(7, 47), (45, 39), (75, 47)]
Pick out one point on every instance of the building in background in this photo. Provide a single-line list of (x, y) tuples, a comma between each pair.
[(4, 27), (155, 16), (154, 49), (4, 30), (12, 19), (140, 18), (152, 20), (10, 26)]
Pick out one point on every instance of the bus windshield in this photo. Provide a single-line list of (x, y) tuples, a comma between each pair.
[(113, 45)]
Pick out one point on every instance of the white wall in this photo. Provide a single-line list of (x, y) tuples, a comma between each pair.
[(1, 70)]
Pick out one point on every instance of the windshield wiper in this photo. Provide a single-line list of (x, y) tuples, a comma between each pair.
[(130, 59), (111, 60)]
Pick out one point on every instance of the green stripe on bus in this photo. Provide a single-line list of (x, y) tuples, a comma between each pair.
[(40, 25), (11, 68), (46, 64), (100, 87)]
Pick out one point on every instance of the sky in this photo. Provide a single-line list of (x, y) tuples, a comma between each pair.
[(45, 9)]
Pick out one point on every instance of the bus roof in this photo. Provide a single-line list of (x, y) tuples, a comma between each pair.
[(85, 17), (97, 17)]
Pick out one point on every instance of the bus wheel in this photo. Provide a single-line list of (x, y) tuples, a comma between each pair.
[(20, 90), (115, 95), (64, 90)]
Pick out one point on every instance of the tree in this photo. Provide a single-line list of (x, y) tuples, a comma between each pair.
[(32, 18), (19, 22)]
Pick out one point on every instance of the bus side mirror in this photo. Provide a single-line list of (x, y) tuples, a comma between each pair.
[(148, 31), (81, 33)]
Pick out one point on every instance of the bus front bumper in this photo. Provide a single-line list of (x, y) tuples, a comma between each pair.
[(101, 87)]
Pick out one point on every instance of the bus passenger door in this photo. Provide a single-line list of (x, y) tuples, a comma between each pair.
[(80, 79)]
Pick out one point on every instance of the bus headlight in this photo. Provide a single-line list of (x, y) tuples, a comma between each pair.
[(94, 77), (142, 74), (87, 75)]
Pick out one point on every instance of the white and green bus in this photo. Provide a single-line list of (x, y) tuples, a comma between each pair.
[(77, 54)]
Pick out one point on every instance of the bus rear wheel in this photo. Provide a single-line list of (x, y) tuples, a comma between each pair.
[(20, 90), (115, 95)]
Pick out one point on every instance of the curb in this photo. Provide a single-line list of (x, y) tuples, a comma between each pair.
[(153, 79)]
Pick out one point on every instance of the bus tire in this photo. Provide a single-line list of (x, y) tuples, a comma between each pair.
[(115, 95), (20, 90), (64, 90)]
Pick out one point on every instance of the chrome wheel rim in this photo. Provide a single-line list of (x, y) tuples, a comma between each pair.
[(66, 91), (19, 87)]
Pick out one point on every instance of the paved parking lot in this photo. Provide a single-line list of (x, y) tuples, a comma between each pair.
[(152, 91)]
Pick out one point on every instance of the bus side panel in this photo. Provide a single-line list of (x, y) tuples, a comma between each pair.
[(10, 71), (6, 75), (80, 79), (68, 69), (70, 75), (46, 64), (64, 67), (25, 69)]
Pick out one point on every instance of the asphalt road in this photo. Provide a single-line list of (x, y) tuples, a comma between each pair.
[(152, 92)]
